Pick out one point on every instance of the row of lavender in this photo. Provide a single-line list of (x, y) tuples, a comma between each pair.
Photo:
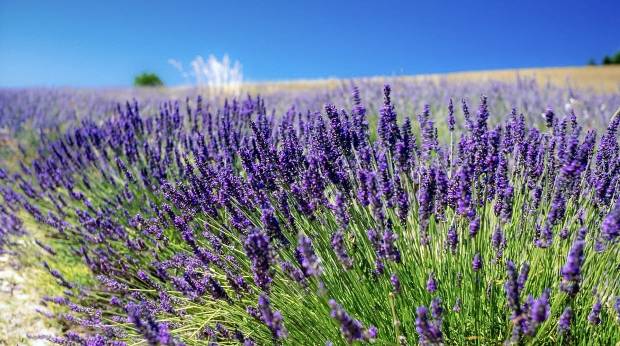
[(238, 225), (51, 108)]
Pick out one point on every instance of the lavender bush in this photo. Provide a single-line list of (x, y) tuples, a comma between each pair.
[(237, 225)]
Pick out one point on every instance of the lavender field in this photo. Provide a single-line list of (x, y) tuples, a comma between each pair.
[(389, 211)]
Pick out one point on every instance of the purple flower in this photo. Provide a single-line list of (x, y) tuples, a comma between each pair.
[(571, 271), (476, 263), (122, 168), (431, 283), (402, 201), (340, 210), (436, 309), (310, 262), (498, 242), (388, 246), (374, 239), (452, 240), (511, 288), (451, 120), (388, 127), (405, 147), (611, 225), (372, 333), (185, 230), (523, 274), (549, 117), (294, 273), (395, 283), (351, 329), (536, 197), (457, 305), (565, 321), (539, 312), (337, 243), (258, 250), (214, 287), (594, 317), (617, 307), (360, 124), (387, 186), (97, 340), (112, 284), (384, 245), (558, 208), (379, 267), (366, 186), (429, 136), (340, 131), (272, 319), (153, 332), (474, 227), (272, 225), (428, 331), (466, 115), (426, 194), (313, 181)]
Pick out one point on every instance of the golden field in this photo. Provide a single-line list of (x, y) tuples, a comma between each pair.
[(599, 78)]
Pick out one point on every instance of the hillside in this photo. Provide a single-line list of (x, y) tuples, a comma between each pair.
[(599, 78)]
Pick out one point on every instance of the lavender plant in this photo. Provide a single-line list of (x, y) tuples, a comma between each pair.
[(240, 226)]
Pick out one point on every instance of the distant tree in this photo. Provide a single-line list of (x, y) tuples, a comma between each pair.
[(592, 62), (606, 60), (615, 59), (147, 79)]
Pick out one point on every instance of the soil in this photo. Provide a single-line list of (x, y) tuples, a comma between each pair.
[(19, 302)]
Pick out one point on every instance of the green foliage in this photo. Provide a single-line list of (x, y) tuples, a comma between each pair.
[(147, 79), (615, 59), (612, 60)]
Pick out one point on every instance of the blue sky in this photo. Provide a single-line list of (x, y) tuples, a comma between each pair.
[(105, 43)]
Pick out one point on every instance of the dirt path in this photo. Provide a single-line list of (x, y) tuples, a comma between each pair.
[(19, 302)]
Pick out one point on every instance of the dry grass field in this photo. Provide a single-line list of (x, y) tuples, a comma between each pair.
[(599, 78)]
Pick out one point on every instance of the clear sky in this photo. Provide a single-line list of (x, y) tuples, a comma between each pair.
[(105, 43)]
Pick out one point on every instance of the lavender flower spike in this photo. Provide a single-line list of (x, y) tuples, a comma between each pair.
[(395, 283), (611, 225), (594, 317), (259, 252), (539, 311), (351, 329), (565, 321), (428, 332), (571, 271), (476, 263), (431, 283), (451, 120), (338, 245), (310, 262), (273, 320)]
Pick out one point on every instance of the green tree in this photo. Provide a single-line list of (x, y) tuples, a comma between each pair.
[(606, 60), (591, 62), (147, 79), (615, 59)]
